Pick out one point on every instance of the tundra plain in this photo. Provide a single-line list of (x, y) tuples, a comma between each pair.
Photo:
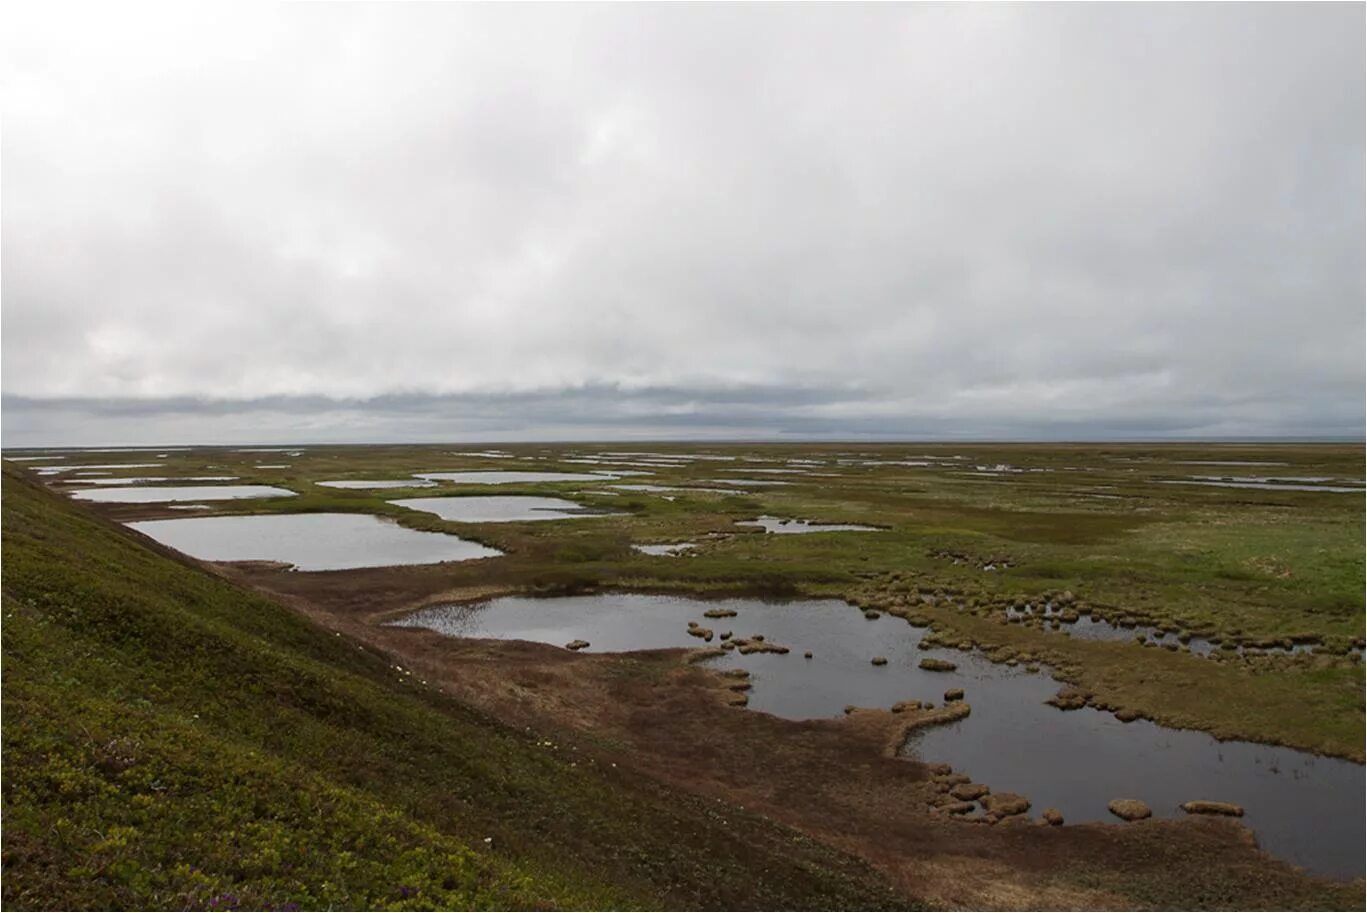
[(1210, 588)]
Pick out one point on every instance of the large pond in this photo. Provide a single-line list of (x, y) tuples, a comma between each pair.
[(155, 494), (55, 470), (143, 480), (374, 483), (498, 508), (492, 477), (1303, 808), (310, 542)]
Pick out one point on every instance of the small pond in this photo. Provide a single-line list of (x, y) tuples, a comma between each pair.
[(788, 526), (375, 483), (499, 508), (1266, 486), (154, 494), (675, 549), (1228, 463), (310, 542), (1303, 808), (680, 488)]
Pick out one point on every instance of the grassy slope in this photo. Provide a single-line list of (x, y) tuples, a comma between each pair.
[(172, 741)]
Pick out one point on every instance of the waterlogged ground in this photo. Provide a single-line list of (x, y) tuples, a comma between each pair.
[(1227, 553), (1075, 761)]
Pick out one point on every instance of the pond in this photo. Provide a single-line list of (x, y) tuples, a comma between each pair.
[(142, 480), (1267, 486), (672, 550), (54, 470), (787, 526), (310, 542), (680, 488), (1303, 808), (492, 477), (375, 483), (155, 494), (1087, 626), (499, 508)]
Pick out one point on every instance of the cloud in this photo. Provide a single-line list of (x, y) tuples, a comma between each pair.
[(674, 221)]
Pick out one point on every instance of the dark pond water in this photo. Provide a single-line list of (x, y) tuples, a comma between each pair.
[(499, 508), (788, 526), (310, 542), (154, 494), (1303, 808), (1090, 627)]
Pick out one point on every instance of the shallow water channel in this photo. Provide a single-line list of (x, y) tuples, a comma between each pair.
[(310, 542), (1303, 808)]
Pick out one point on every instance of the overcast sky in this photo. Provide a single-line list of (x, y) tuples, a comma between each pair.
[(324, 222)]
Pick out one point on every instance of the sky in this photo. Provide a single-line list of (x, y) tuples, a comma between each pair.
[(428, 222)]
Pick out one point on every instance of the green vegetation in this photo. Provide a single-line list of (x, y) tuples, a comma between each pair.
[(172, 741), (1247, 565)]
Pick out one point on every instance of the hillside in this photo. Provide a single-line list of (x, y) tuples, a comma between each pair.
[(173, 741)]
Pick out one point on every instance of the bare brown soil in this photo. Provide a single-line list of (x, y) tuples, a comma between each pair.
[(654, 714)]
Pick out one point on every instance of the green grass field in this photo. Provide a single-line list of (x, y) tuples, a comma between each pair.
[(173, 742), (1245, 565)]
